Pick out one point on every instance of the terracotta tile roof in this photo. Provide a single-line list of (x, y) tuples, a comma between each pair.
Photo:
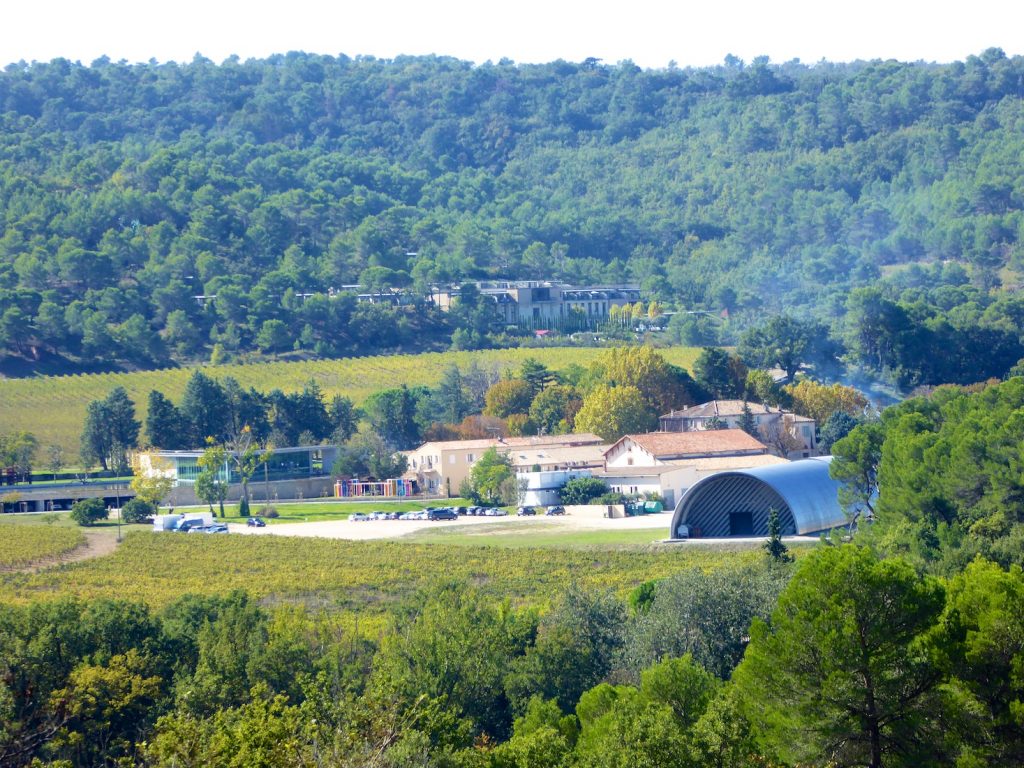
[(667, 445)]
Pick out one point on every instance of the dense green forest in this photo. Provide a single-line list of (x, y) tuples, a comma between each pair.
[(127, 190)]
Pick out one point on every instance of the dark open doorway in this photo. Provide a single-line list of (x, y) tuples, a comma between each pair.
[(741, 524)]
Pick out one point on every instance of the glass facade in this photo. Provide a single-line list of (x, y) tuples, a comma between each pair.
[(288, 465)]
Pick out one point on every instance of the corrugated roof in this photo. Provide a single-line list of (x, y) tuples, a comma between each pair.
[(666, 445)]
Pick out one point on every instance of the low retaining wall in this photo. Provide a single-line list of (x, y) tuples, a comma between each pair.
[(596, 510)]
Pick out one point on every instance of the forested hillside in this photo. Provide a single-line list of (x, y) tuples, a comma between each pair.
[(127, 190)]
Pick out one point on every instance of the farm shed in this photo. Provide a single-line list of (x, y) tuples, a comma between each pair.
[(737, 503)]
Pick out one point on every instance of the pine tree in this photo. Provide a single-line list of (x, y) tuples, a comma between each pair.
[(777, 551), (163, 422), (747, 421)]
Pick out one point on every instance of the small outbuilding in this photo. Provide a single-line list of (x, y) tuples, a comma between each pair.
[(738, 502)]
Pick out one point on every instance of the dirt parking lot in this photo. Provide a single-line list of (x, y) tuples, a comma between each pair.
[(392, 529)]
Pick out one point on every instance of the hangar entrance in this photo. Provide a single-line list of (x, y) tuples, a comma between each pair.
[(741, 523)]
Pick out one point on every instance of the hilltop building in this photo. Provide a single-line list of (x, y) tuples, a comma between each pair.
[(797, 432), (546, 304)]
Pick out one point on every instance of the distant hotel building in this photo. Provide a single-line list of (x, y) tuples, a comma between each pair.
[(543, 304)]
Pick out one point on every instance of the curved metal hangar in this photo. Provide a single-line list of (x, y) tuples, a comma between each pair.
[(737, 503)]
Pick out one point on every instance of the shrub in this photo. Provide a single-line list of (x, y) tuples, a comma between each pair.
[(269, 512), (88, 511), (582, 490), (137, 511)]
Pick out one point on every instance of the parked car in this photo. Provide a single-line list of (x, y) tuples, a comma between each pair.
[(557, 509), (256, 522), (358, 517), (526, 511), (215, 529), (442, 514)]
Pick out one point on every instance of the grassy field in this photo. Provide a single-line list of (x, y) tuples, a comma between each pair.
[(53, 407), (22, 544)]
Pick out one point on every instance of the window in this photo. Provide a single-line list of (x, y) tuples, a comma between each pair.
[(469, 458)]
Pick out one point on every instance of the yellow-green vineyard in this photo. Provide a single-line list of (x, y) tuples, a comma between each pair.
[(53, 407), (21, 545), (367, 576)]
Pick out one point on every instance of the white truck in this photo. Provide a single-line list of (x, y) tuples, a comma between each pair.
[(182, 522)]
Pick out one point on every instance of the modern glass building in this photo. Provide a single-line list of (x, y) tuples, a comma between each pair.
[(281, 464)]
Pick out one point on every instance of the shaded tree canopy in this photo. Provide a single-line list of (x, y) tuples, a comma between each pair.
[(265, 187)]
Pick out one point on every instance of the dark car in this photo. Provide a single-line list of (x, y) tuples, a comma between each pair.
[(526, 511), (446, 513), (558, 509), (256, 522)]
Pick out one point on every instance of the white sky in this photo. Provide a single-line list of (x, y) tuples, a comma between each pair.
[(649, 32)]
